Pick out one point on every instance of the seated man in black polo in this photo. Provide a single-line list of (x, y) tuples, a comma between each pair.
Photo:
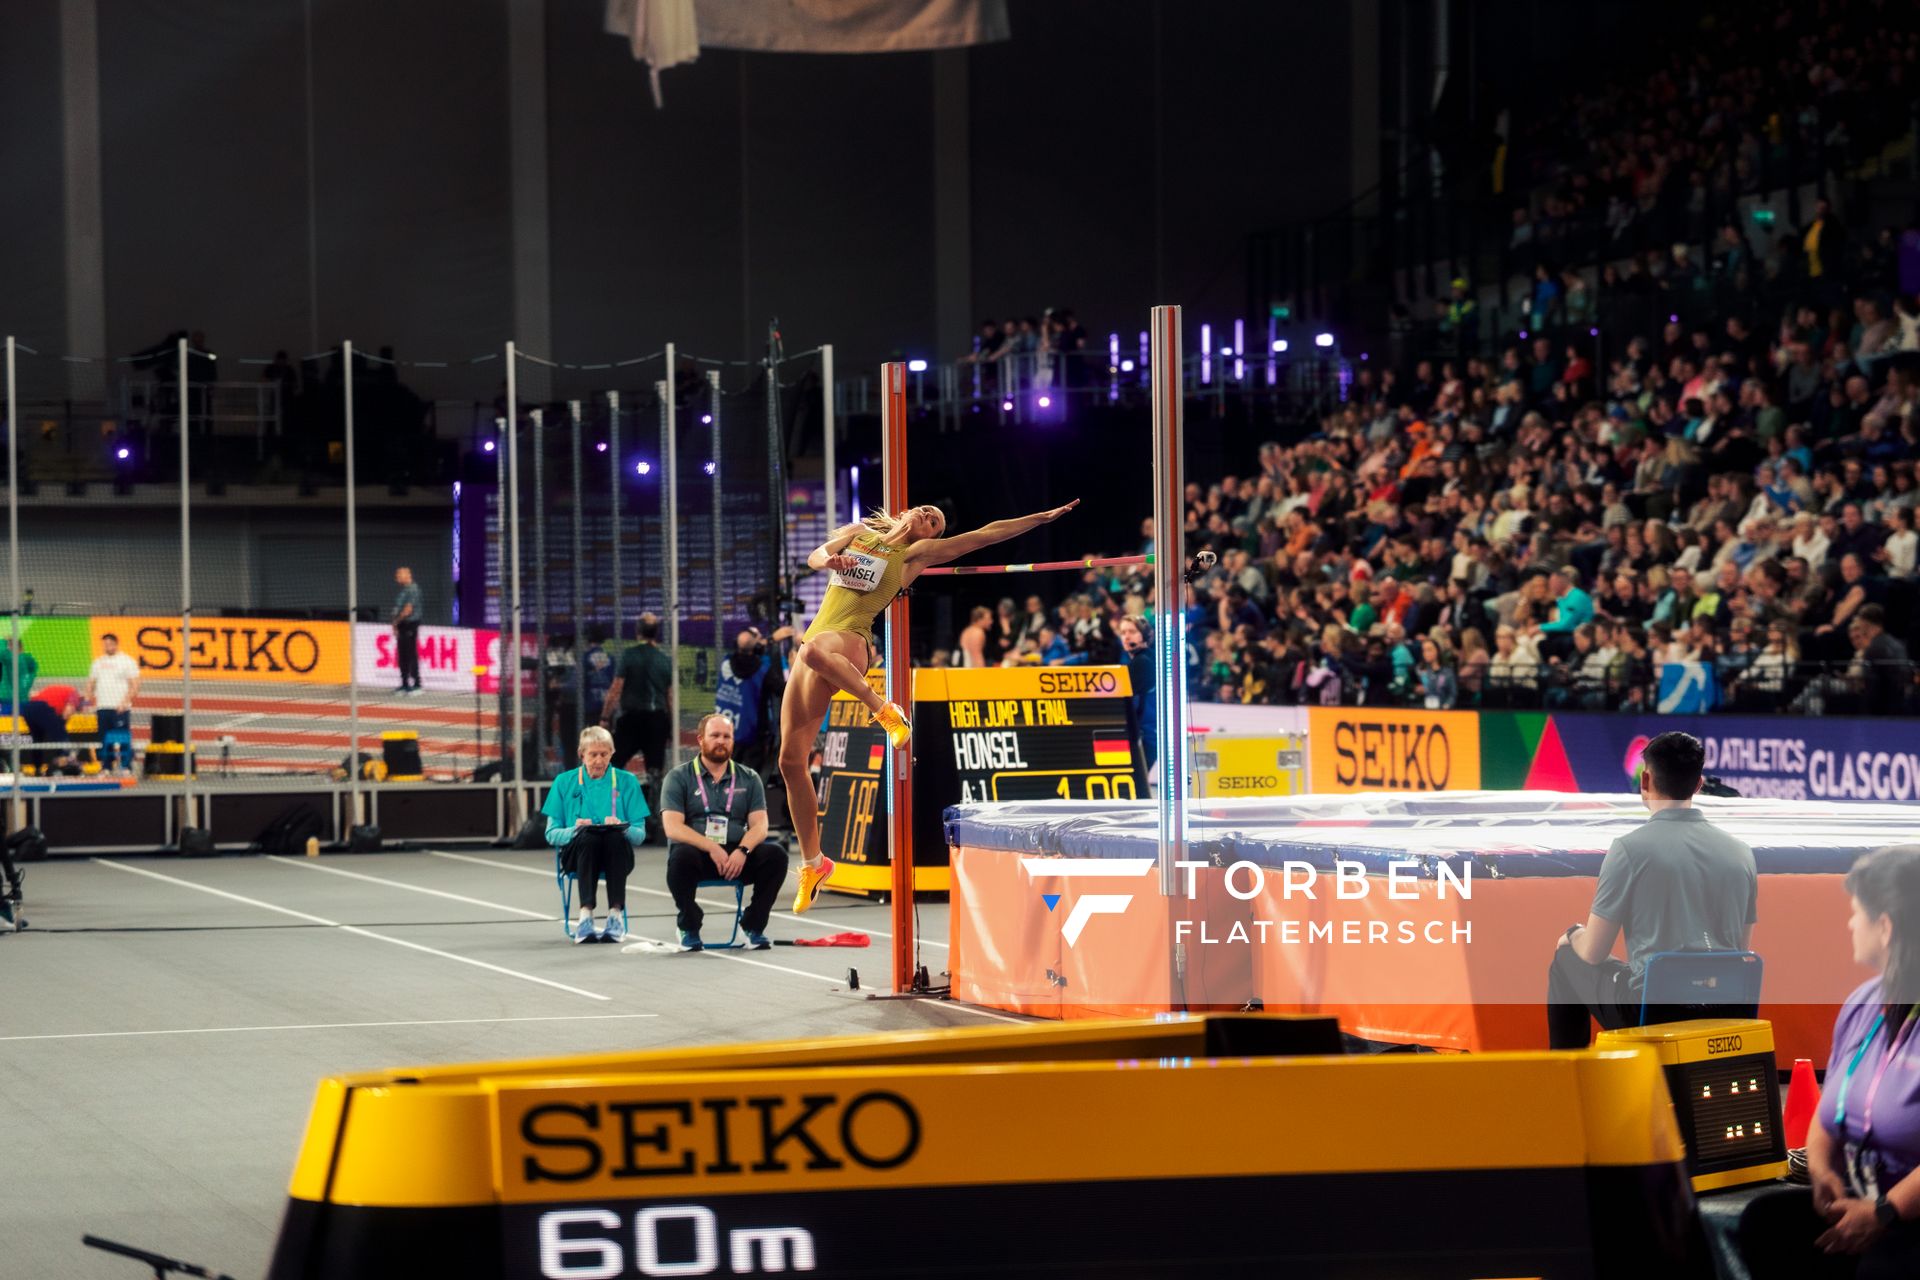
[(714, 811), (1675, 883)]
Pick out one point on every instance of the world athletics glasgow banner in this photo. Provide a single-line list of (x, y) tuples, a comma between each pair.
[(1778, 757)]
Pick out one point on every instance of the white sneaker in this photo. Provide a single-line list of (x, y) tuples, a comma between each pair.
[(583, 930), (616, 930)]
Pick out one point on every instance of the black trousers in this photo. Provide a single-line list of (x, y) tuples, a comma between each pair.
[(592, 854), (1777, 1231), (766, 871), (644, 733), (406, 651), (1577, 991)]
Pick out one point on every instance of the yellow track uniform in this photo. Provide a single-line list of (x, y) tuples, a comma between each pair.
[(856, 596)]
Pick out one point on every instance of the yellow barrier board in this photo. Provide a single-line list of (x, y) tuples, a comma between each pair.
[(1187, 1149), (1248, 765)]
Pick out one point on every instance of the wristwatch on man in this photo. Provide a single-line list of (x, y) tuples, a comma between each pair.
[(1884, 1211)]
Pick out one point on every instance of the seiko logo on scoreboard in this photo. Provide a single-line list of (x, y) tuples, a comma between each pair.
[(1081, 683), (1265, 783), (633, 1140), (1723, 1044)]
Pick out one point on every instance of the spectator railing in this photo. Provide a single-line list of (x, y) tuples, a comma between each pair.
[(1025, 387), (235, 409)]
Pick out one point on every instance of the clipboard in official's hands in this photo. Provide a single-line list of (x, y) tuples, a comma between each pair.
[(609, 826)]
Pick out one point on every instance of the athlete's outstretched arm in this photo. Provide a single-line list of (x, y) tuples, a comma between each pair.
[(828, 553), (932, 551)]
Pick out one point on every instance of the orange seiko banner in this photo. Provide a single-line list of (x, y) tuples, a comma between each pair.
[(254, 649), (1371, 749)]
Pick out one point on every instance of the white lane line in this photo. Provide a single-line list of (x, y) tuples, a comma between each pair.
[(710, 904), (332, 1026), (354, 929), (716, 953), (312, 865)]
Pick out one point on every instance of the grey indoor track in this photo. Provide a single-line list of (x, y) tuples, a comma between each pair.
[(163, 1022)]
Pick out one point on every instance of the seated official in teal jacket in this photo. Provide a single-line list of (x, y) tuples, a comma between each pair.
[(595, 817)]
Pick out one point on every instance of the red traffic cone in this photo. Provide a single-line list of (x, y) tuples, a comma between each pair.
[(1803, 1100)]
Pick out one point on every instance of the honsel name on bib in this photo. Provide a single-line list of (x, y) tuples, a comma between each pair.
[(865, 574)]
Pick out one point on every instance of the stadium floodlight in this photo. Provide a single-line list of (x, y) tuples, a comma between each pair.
[(1322, 339), (916, 366), (1279, 346)]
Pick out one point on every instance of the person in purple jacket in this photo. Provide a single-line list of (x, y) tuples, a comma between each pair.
[(1861, 1217)]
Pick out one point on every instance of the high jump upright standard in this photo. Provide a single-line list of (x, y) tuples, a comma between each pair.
[(1170, 693)]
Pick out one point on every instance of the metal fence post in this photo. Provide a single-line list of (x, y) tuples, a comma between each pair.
[(670, 453), (14, 818), (716, 453), (353, 603), (186, 601), (512, 663), (579, 600), (539, 417), (613, 513)]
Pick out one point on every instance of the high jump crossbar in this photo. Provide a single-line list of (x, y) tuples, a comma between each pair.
[(1169, 642), (1085, 562)]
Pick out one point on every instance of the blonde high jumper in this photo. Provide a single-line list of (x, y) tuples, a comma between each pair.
[(870, 563)]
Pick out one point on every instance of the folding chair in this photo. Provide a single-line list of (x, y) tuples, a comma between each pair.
[(1691, 984), (739, 888), (564, 878)]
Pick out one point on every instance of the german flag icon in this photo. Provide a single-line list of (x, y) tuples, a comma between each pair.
[(1115, 751), (876, 757)]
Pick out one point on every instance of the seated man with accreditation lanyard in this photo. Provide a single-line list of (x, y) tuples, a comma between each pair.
[(714, 810)]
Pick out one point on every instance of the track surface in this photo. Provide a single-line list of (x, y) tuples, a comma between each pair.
[(163, 1022)]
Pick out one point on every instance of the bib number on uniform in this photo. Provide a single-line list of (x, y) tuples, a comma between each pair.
[(865, 574)]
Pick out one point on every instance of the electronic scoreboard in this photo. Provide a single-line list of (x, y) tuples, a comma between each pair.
[(1726, 1095), (998, 733)]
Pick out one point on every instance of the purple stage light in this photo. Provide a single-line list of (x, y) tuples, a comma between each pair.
[(642, 468), (1523, 335), (602, 446), (916, 366), (706, 419), (123, 453), (1322, 339), (1006, 406), (1593, 333), (488, 446), (708, 468), (1046, 402)]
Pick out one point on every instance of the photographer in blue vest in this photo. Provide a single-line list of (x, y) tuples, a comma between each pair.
[(750, 681)]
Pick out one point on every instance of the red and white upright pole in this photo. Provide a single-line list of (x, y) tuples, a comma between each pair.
[(899, 678)]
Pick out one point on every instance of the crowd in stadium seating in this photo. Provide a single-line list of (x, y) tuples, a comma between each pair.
[(1689, 481), (1755, 99), (1727, 514)]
